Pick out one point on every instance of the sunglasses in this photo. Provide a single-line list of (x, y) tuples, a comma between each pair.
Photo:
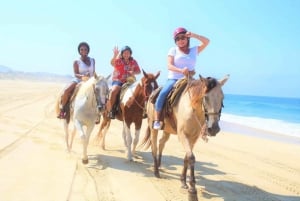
[(180, 38)]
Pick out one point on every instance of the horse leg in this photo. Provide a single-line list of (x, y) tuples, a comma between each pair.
[(135, 140), (102, 131), (183, 173), (127, 140), (66, 129), (161, 146), (192, 160), (154, 152), (72, 138), (85, 142)]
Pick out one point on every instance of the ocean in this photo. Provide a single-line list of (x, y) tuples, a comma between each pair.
[(274, 115)]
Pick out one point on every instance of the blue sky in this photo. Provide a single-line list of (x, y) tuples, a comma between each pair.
[(256, 42)]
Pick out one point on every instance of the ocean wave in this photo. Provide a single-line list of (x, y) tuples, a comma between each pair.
[(270, 125)]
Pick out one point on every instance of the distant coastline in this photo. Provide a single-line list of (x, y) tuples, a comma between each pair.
[(9, 73)]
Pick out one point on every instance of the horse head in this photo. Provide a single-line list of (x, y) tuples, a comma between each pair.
[(149, 83), (213, 103), (101, 90)]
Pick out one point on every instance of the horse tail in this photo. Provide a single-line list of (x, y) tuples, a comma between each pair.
[(57, 106), (146, 142)]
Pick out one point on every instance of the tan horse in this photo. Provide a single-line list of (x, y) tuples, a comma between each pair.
[(196, 114), (88, 104), (132, 108)]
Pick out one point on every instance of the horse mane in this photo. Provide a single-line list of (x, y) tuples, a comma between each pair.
[(196, 89), (85, 86)]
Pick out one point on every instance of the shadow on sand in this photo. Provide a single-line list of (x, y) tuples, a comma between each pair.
[(171, 168)]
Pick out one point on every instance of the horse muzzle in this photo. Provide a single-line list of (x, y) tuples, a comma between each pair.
[(213, 129), (101, 108)]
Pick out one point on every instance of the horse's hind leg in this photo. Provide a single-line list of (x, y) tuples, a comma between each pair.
[(102, 132), (154, 152), (66, 129), (162, 143), (72, 138)]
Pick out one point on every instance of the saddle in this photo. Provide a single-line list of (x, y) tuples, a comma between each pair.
[(171, 100), (116, 107)]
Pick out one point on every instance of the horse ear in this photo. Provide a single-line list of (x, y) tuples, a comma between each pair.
[(222, 81), (145, 74), (95, 75), (157, 75), (108, 76), (201, 78)]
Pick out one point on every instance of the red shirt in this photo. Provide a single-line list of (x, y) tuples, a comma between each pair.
[(121, 69)]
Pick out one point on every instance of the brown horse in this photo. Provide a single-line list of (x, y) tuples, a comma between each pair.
[(132, 107), (196, 113)]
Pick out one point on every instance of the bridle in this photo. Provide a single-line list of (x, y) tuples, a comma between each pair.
[(207, 114), (100, 105), (146, 97)]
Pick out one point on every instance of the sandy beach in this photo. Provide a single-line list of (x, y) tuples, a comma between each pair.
[(34, 164)]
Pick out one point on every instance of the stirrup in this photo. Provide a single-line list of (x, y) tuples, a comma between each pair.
[(111, 115)]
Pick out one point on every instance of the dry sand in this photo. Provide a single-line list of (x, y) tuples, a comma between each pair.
[(35, 166)]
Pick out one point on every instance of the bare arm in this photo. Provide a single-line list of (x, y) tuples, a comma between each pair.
[(76, 70), (204, 40), (116, 53)]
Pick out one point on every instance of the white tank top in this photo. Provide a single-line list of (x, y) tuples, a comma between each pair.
[(84, 69)]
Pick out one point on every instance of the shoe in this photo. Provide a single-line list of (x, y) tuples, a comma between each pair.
[(62, 115), (111, 115), (97, 121), (156, 125)]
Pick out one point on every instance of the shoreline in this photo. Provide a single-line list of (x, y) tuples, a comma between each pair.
[(257, 133)]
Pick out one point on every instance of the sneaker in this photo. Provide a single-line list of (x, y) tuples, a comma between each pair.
[(62, 115), (156, 125), (111, 115), (97, 121)]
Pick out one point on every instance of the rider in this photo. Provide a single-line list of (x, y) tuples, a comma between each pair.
[(181, 62), (83, 68), (125, 66)]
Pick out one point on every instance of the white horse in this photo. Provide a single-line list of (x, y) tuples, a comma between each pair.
[(88, 105)]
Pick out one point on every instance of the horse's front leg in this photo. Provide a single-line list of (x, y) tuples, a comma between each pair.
[(192, 161), (85, 142), (128, 140), (72, 138), (136, 139), (184, 171)]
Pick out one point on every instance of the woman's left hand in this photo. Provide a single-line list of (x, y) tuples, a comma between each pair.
[(188, 34)]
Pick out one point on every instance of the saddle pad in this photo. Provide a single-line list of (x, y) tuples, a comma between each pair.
[(176, 91)]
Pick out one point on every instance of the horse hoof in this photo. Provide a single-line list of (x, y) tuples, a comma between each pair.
[(157, 175), (192, 196), (184, 186), (85, 161)]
